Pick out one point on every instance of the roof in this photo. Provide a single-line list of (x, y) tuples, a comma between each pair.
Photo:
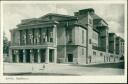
[(46, 23), (41, 19), (86, 10), (96, 17), (59, 15), (112, 33)]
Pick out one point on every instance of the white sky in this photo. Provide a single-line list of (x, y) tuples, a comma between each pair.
[(113, 14)]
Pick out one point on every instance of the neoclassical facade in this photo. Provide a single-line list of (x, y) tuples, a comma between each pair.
[(55, 38)]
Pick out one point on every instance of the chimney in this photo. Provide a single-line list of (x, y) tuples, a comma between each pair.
[(85, 11)]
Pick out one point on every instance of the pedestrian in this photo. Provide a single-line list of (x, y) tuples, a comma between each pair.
[(43, 66)]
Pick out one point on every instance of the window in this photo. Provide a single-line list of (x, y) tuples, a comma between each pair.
[(37, 38), (82, 36), (67, 23), (31, 38), (123, 44), (90, 41), (69, 35), (51, 36), (90, 21), (43, 37), (82, 51), (101, 54), (111, 55), (51, 39), (94, 53), (95, 35)]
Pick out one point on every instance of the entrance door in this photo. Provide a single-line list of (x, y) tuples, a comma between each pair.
[(35, 56), (28, 56), (42, 55), (21, 56), (51, 55), (70, 57)]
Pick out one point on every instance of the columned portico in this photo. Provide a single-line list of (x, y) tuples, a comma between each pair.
[(40, 55)]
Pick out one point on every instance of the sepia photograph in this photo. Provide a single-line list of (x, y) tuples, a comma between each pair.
[(63, 39)]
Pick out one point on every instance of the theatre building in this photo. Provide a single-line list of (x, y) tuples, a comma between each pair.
[(56, 38)]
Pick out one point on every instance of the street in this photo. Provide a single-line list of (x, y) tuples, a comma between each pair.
[(66, 69)]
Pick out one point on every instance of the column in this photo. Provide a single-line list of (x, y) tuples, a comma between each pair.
[(47, 55), (10, 55), (25, 37), (24, 56), (31, 56), (17, 56), (55, 56), (38, 55)]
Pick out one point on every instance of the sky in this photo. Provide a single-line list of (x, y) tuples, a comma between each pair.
[(113, 14)]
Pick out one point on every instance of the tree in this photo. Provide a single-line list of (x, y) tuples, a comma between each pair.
[(5, 44)]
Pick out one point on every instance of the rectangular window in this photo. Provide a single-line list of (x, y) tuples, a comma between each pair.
[(82, 36), (111, 55), (43, 39), (101, 54), (51, 39), (90, 21), (94, 53), (51, 34), (90, 41), (70, 36)]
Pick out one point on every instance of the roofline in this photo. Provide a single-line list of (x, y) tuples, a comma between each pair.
[(53, 22), (60, 15), (100, 19)]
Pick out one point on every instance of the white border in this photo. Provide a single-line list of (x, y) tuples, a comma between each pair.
[(65, 79)]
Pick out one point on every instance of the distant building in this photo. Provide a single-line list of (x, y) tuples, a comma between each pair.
[(56, 38)]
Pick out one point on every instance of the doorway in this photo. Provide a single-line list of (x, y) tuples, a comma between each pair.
[(51, 55), (21, 56), (70, 57), (28, 56), (35, 55), (42, 55), (13, 57)]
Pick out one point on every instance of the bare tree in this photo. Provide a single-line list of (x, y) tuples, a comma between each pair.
[(5, 44)]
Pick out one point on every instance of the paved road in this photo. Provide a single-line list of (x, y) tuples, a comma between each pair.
[(76, 70)]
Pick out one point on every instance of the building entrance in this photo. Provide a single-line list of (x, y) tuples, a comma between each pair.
[(35, 55), (21, 56), (28, 56), (13, 57), (51, 55), (42, 55), (70, 57)]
